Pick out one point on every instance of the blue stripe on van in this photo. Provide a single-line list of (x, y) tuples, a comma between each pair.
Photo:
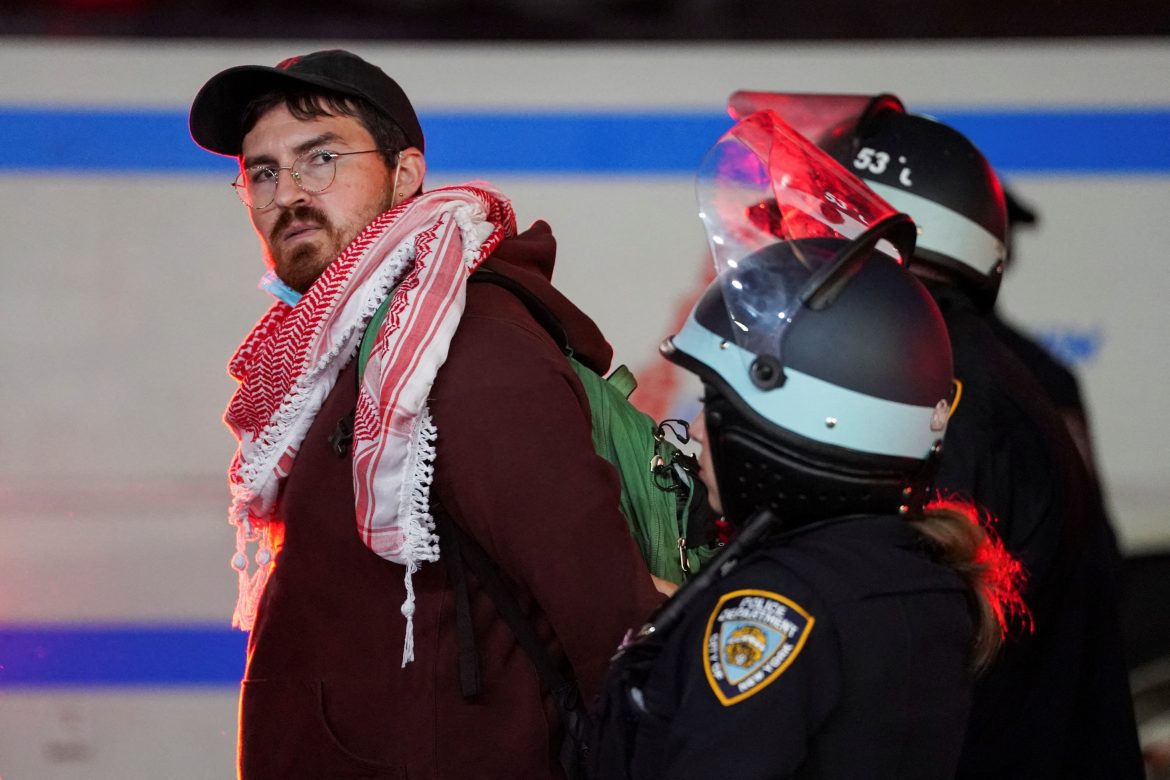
[(1070, 142), (85, 656), (1033, 141)]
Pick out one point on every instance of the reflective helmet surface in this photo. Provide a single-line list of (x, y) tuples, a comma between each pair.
[(921, 167), (826, 364)]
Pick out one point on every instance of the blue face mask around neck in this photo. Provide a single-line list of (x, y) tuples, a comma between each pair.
[(272, 284)]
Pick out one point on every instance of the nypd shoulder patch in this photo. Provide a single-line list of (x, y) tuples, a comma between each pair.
[(752, 637)]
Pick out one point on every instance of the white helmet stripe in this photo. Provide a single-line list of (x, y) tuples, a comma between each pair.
[(816, 409), (945, 231)]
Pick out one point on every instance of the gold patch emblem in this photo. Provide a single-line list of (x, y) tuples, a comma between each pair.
[(745, 647), (752, 637)]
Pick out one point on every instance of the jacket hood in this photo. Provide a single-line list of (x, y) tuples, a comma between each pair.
[(528, 258)]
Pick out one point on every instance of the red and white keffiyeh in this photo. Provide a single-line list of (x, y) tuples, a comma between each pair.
[(290, 361)]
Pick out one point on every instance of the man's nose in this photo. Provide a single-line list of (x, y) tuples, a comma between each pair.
[(288, 191)]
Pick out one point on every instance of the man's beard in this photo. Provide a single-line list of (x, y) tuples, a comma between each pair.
[(304, 263), (301, 265)]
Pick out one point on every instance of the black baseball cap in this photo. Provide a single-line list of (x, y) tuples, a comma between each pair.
[(217, 113)]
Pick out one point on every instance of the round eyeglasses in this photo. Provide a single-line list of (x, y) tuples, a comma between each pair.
[(313, 172)]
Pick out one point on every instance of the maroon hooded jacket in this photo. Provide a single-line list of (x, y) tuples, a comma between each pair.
[(325, 694)]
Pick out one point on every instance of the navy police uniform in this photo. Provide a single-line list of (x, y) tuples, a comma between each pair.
[(840, 650), (1056, 702)]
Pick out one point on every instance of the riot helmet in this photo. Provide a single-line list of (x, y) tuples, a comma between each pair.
[(826, 365), (921, 167)]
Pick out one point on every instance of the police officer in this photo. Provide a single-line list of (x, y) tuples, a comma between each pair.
[(835, 636), (1057, 701)]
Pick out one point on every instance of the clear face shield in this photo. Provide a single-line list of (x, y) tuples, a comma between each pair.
[(822, 119), (787, 226)]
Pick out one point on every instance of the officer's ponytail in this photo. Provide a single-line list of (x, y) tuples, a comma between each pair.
[(961, 541)]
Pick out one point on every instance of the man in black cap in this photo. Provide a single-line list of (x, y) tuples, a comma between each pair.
[(379, 394)]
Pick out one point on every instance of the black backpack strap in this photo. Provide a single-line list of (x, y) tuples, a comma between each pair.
[(563, 689), (536, 307), (469, 680)]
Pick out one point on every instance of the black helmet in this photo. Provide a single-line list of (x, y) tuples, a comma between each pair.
[(826, 365), (921, 167)]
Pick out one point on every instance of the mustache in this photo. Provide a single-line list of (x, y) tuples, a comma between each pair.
[(302, 213)]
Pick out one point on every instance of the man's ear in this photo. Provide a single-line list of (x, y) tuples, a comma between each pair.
[(412, 169)]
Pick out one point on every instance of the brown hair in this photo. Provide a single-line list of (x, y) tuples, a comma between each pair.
[(962, 540), (309, 103)]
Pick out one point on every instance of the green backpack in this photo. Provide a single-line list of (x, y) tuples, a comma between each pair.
[(657, 487), (657, 482)]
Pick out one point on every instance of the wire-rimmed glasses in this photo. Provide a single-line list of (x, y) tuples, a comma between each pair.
[(313, 172)]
